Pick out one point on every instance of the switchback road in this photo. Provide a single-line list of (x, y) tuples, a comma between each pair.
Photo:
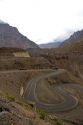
[(68, 103)]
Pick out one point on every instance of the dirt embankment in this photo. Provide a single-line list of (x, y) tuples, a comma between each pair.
[(12, 81)]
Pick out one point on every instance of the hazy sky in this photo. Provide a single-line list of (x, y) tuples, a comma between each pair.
[(43, 20)]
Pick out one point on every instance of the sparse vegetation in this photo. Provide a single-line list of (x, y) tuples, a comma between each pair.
[(56, 122), (42, 114), (24, 104), (10, 97)]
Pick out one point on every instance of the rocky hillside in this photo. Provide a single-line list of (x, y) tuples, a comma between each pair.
[(11, 37), (74, 43)]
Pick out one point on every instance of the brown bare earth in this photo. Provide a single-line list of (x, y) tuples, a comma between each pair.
[(17, 73)]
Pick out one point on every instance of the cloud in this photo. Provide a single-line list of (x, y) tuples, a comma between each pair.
[(43, 19)]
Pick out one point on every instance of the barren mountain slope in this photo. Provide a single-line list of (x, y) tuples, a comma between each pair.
[(73, 44), (11, 37)]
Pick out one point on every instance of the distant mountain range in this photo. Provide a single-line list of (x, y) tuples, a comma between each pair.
[(11, 37), (53, 44)]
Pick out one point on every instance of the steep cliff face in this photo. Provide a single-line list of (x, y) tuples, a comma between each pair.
[(11, 37)]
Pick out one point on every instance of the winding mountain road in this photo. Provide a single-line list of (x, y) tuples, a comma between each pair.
[(68, 103)]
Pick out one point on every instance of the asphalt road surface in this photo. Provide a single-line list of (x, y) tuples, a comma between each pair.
[(69, 102)]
